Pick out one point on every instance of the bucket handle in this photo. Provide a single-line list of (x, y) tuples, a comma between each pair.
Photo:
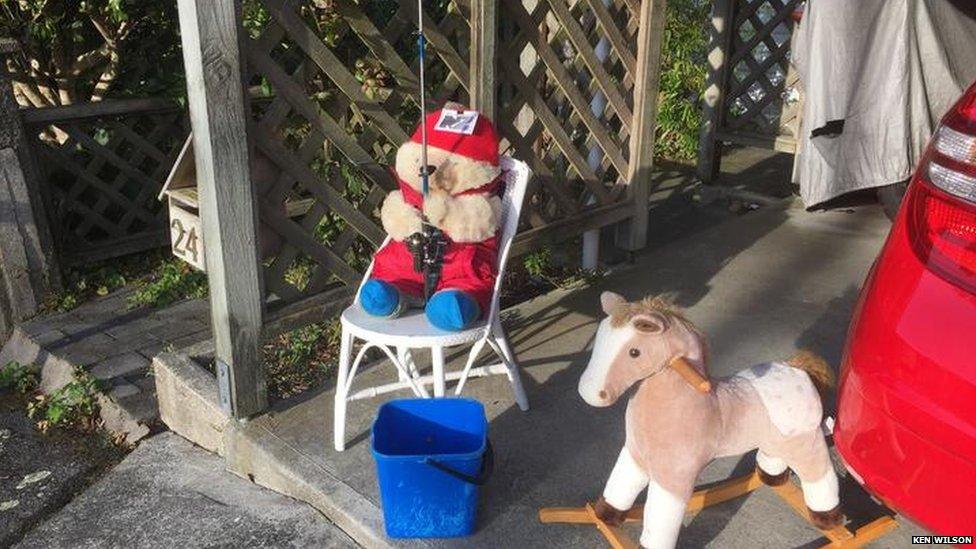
[(487, 467)]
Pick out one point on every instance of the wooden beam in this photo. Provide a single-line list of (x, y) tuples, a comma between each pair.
[(781, 143), (563, 229), (116, 247), (713, 104), (484, 32), (113, 107), (211, 36), (650, 36)]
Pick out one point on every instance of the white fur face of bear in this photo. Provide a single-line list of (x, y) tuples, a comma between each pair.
[(453, 174)]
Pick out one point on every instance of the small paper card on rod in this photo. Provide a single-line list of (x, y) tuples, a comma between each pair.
[(453, 121)]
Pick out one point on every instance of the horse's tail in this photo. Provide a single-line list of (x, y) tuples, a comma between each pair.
[(816, 367)]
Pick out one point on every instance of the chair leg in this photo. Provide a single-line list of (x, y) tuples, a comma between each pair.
[(498, 335), (406, 359), (341, 392), (412, 366), (472, 357), (437, 367)]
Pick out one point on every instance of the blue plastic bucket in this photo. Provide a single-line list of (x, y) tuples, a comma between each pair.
[(431, 456)]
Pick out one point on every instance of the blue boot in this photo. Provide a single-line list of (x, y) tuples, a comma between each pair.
[(380, 298), (452, 310)]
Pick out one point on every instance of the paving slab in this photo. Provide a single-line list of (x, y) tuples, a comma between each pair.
[(119, 366), (115, 344), (760, 286), (170, 493)]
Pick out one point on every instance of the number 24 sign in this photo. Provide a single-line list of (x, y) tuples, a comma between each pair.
[(185, 237)]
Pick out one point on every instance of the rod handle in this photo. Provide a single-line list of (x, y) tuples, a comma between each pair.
[(691, 375)]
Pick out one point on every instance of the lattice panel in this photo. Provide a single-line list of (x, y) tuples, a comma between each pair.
[(102, 176), (759, 69), (341, 81), (550, 69)]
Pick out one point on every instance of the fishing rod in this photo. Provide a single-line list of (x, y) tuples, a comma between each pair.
[(422, 47), (427, 247)]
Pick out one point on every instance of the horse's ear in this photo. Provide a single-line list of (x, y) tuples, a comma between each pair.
[(610, 301), (650, 323)]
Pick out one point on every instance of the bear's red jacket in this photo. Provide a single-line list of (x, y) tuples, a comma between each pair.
[(471, 267)]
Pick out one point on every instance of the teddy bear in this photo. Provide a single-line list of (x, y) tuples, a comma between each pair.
[(464, 202)]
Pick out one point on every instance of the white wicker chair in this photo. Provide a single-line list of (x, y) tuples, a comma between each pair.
[(398, 336)]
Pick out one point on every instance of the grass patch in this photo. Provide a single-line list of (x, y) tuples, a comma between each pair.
[(301, 359), (70, 409), (541, 266), (159, 278), (72, 406), (16, 376), (172, 281), (101, 278)]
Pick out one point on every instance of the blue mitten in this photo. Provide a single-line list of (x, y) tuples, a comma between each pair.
[(452, 310), (380, 298)]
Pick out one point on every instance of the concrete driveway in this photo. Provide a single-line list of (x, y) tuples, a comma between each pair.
[(760, 286)]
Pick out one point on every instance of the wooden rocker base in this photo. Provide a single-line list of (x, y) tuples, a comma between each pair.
[(839, 536)]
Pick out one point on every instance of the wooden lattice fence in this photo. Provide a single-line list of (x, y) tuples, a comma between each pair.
[(337, 87), (331, 136), (102, 165), (752, 96), (336, 108), (549, 73)]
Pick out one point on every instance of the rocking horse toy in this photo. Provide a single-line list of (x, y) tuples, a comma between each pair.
[(678, 420)]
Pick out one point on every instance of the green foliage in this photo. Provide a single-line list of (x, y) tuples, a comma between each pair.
[(683, 72), (81, 50), (540, 265), (355, 188), (255, 17), (15, 375), (172, 281), (325, 19), (99, 279), (73, 405), (142, 39), (159, 278)]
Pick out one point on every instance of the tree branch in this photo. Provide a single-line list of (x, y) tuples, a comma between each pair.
[(111, 54), (107, 78), (102, 29), (88, 61)]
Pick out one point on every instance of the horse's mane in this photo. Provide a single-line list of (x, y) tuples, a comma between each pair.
[(663, 306)]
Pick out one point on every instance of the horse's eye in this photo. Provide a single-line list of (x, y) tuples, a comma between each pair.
[(634, 353)]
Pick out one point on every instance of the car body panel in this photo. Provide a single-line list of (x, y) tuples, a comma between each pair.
[(906, 423)]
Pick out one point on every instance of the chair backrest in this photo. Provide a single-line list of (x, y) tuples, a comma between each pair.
[(517, 175)]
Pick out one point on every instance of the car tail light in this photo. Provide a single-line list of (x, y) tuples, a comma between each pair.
[(941, 206)]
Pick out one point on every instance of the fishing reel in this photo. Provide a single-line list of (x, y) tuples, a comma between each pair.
[(427, 248)]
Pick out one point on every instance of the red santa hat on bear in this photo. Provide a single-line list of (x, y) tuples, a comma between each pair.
[(464, 160)]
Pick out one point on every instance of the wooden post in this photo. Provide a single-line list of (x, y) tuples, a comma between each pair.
[(484, 32), (713, 100), (28, 268), (211, 36), (646, 82)]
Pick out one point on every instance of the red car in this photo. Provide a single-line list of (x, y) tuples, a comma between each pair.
[(906, 420)]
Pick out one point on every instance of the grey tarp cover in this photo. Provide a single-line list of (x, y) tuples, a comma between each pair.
[(889, 69)]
